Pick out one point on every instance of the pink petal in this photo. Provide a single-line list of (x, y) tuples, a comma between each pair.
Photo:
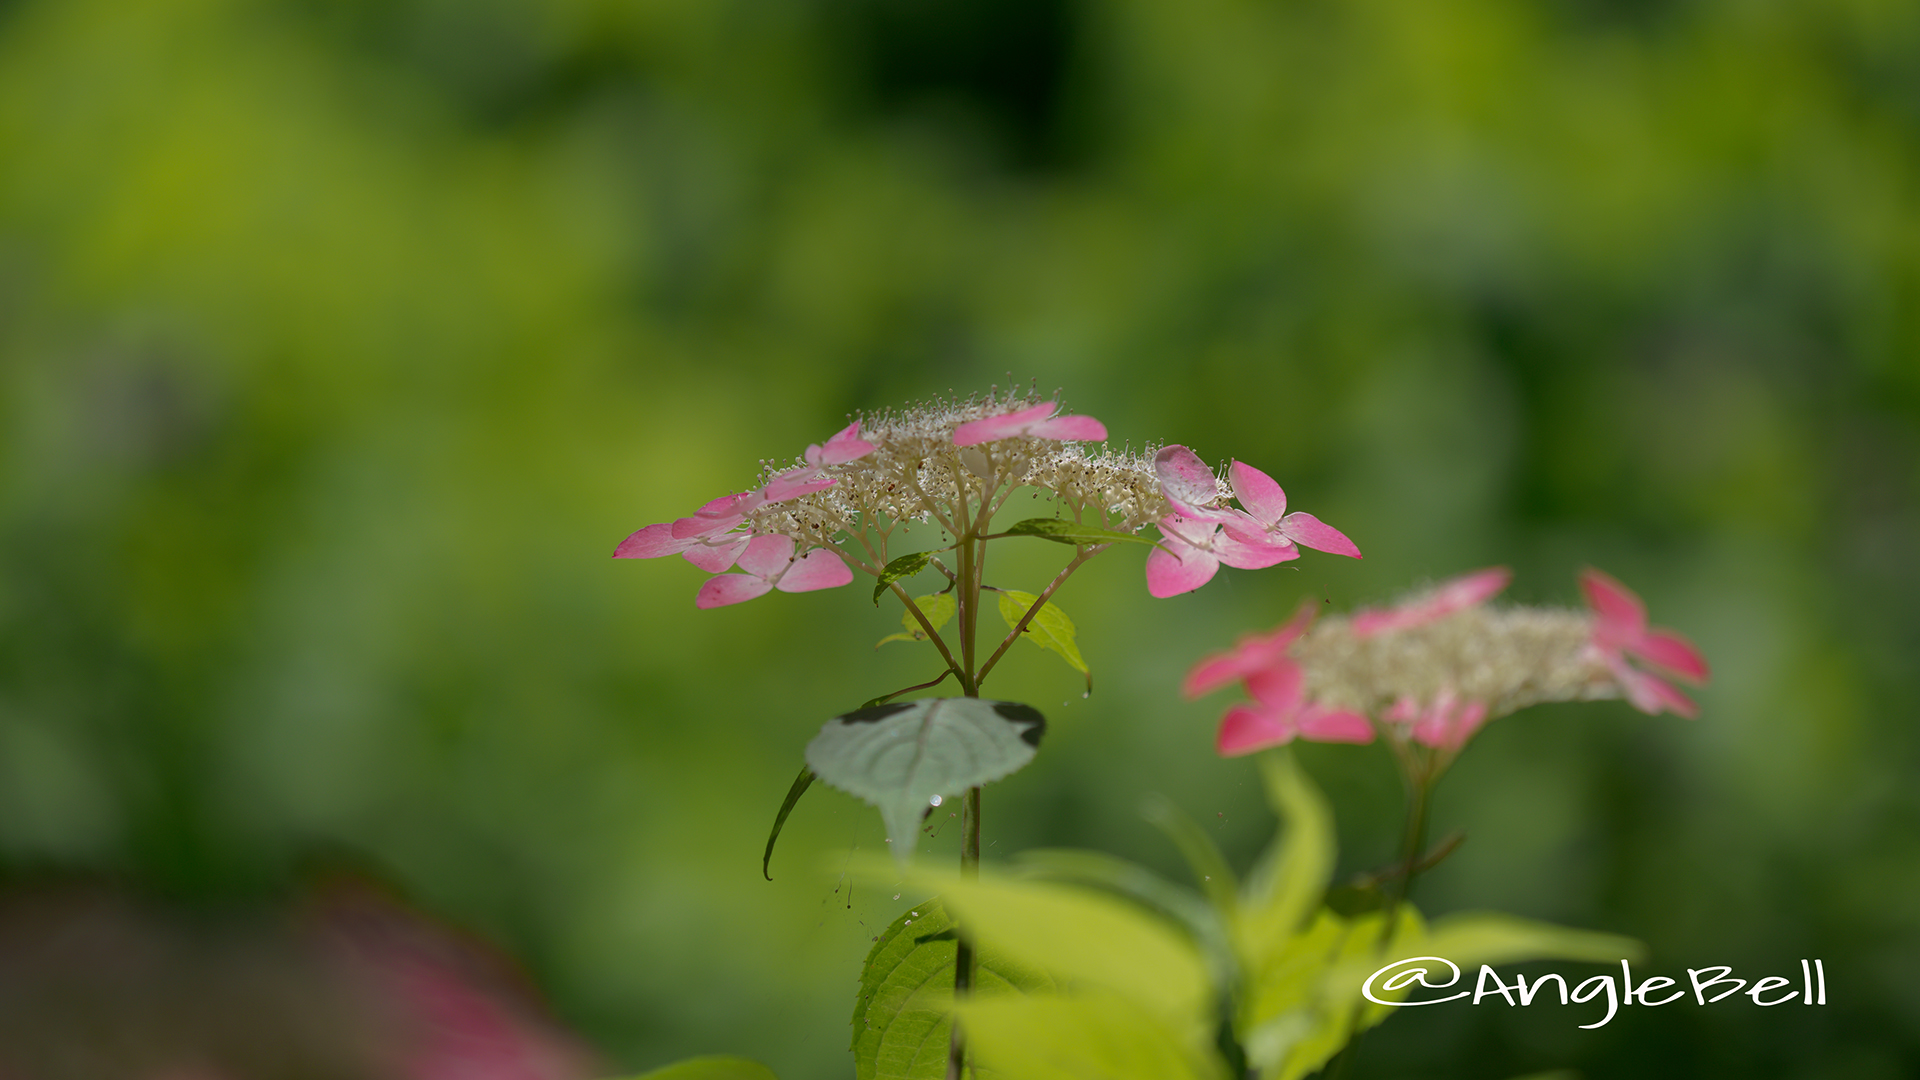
[(716, 558), (1456, 595), (846, 445), (1259, 495), (719, 515), (1184, 478), (767, 557), (1622, 617), (1251, 653), (1673, 652), (651, 543), (1004, 426), (1321, 724), (1278, 687), (723, 589), (1449, 723), (1245, 729), (1309, 531), (1650, 693), (1170, 576), (1252, 556), (794, 483), (817, 569), (1078, 428)]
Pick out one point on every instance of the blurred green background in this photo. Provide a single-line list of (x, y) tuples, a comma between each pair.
[(341, 340)]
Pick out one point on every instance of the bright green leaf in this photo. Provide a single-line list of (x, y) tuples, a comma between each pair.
[(1072, 532), (903, 567), (1049, 628), (711, 1068), (900, 1022), (1087, 938), (902, 757), (1209, 866), (1086, 1036), (938, 608)]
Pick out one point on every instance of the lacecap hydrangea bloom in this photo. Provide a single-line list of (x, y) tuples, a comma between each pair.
[(950, 462), (1431, 670)]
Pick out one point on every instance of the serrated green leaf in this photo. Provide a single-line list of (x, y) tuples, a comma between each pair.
[(1049, 628), (1072, 532), (711, 1068), (1087, 938), (799, 788), (900, 757), (1089, 1035), (903, 567), (937, 607), (900, 1017)]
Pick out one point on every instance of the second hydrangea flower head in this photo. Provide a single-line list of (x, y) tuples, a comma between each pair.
[(948, 462), (1433, 669)]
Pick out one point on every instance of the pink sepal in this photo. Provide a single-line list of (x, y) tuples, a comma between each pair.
[(1621, 617), (817, 569), (1004, 426), (1245, 729), (1650, 693), (1253, 652), (845, 445), (1258, 493), (1673, 652), (724, 589), (1168, 575), (767, 556), (1309, 531), (794, 483), (1070, 428), (1187, 483), (1319, 724), (719, 515), (715, 558), (1459, 594), (651, 542)]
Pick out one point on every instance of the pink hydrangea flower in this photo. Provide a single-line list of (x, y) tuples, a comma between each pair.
[(845, 445), (1446, 723), (769, 564), (1456, 595), (1201, 547), (1037, 422), (1265, 518), (1279, 711), (714, 554), (1620, 630)]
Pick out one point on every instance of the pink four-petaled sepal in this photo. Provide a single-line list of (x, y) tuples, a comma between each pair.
[(769, 564), (1620, 630), (1037, 422), (1250, 654), (846, 445), (1195, 549), (1266, 520), (1451, 597)]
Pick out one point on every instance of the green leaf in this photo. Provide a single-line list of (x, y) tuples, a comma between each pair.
[(900, 1018), (1072, 532), (1291, 877), (1087, 938), (938, 608), (799, 788), (1203, 922), (1094, 1035), (901, 757), (1298, 1011), (1049, 628), (903, 567), (711, 1068)]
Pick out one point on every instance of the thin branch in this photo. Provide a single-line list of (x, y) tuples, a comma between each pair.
[(884, 698), (932, 634), (1079, 558)]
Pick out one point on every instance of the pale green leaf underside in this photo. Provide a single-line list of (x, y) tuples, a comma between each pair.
[(1049, 628), (900, 1019), (899, 757)]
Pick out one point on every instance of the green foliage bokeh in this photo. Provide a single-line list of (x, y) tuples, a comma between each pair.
[(340, 341)]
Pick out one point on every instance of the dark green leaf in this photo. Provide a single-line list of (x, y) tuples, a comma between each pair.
[(799, 788), (902, 757), (1072, 532), (903, 567), (900, 1023)]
